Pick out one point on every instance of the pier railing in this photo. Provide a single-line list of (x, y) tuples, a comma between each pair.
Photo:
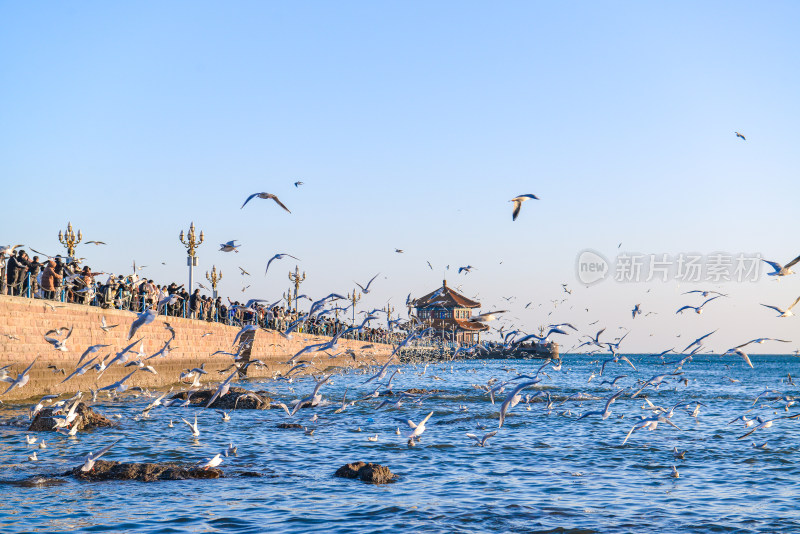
[(123, 299)]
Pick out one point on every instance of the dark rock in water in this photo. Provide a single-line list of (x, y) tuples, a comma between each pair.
[(412, 391), (86, 419), (372, 473), (236, 399), (38, 481), (103, 470), (418, 391), (289, 425)]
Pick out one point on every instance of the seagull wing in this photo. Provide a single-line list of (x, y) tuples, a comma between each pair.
[(793, 304), (517, 207), (791, 263), (372, 280), (249, 199), (104, 450), (776, 266), (777, 309), (277, 201)]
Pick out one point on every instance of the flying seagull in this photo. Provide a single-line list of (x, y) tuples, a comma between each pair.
[(91, 458), (146, 317), (265, 196), (279, 256), (105, 326), (481, 441), (740, 136), (296, 184), (364, 289), (783, 313), (699, 342), (697, 309), (21, 379), (488, 316), (781, 270), (518, 204), (229, 246)]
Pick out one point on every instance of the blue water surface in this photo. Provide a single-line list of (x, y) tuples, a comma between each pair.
[(544, 471)]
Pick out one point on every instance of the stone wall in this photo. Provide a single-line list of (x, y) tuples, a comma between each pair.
[(23, 323)]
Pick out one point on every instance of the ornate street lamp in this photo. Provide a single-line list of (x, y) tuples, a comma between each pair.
[(214, 278), (354, 298), (388, 309), (191, 244), (296, 278), (69, 240)]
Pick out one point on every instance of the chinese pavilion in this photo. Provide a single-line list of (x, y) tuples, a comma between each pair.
[(448, 312)]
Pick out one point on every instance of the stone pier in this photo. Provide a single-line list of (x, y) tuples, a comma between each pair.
[(23, 323)]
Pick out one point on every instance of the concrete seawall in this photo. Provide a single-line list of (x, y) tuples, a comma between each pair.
[(23, 323)]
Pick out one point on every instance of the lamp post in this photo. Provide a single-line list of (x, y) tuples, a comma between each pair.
[(296, 278), (191, 259), (354, 298), (388, 309), (69, 239), (214, 278)]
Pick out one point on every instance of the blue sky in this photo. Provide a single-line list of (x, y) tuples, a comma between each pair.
[(412, 124)]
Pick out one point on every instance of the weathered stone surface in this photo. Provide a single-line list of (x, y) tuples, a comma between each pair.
[(144, 472), (236, 399), (24, 320), (290, 425), (87, 419), (371, 473)]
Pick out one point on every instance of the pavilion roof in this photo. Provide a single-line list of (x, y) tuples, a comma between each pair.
[(445, 297)]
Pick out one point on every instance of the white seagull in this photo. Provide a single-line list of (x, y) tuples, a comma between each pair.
[(418, 429), (488, 316), (513, 399), (80, 370), (193, 427), (105, 326), (265, 196), (92, 458), (58, 344), (784, 313), (21, 379), (365, 290), (90, 350), (697, 309), (279, 256), (213, 462), (518, 203), (229, 246), (481, 442), (781, 270), (146, 317)]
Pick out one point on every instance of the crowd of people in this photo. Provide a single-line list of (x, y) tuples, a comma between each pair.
[(64, 280)]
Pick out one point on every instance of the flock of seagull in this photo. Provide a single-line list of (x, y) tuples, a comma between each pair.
[(311, 360)]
